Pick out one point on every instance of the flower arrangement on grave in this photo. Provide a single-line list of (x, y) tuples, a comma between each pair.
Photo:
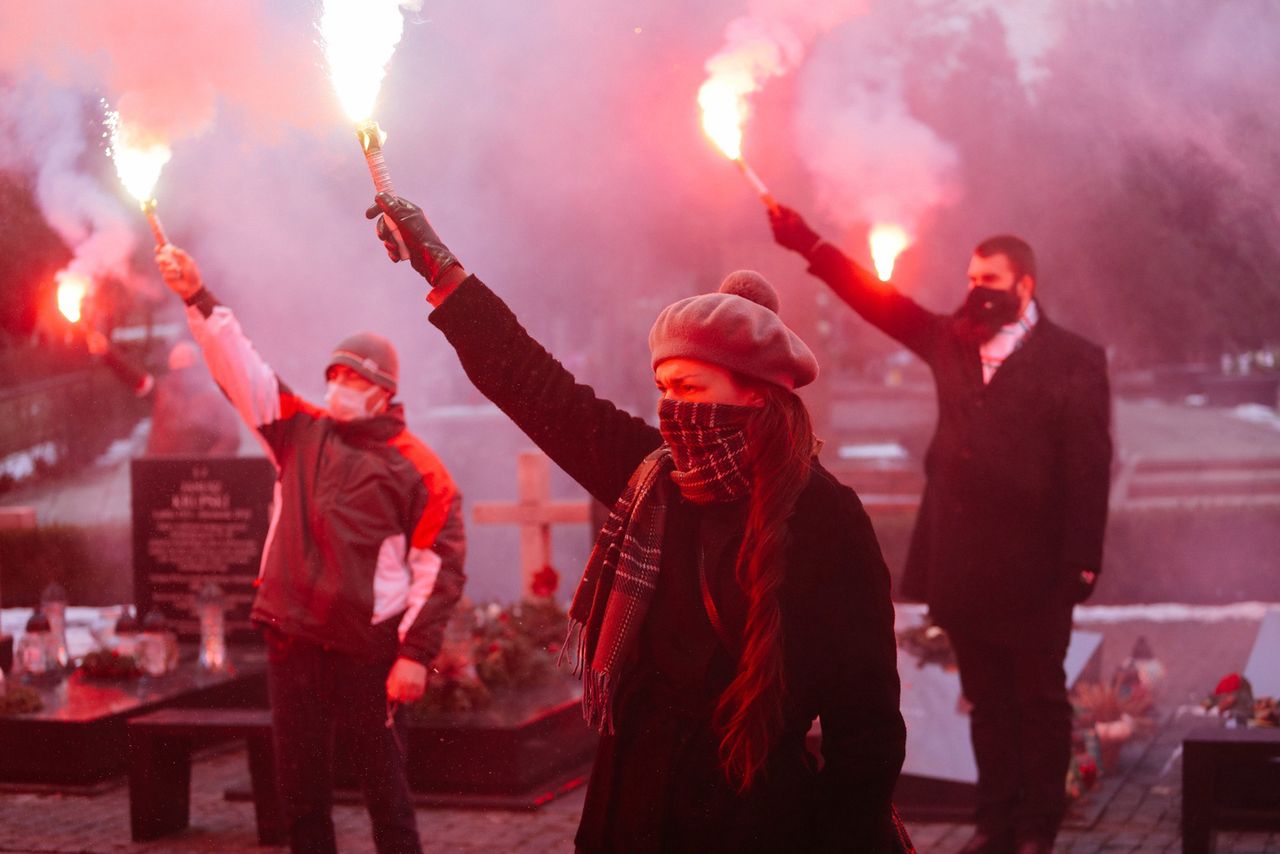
[(1233, 698), (1114, 711), (1115, 701), (542, 622), (1082, 775), (109, 664), (492, 648), (19, 700), (1112, 716), (454, 686), (1266, 711), (513, 646), (929, 644)]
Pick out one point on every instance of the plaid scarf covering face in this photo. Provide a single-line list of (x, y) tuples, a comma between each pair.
[(703, 456), (708, 442)]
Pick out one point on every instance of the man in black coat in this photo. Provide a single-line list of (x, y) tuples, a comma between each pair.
[(1009, 534)]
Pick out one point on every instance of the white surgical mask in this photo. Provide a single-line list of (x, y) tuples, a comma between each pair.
[(348, 404)]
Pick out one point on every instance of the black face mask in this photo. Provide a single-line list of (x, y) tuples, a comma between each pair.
[(985, 310)]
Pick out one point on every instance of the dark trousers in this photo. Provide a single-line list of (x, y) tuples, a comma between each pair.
[(313, 692), (1021, 730)]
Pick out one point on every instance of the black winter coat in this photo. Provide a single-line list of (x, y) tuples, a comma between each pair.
[(656, 784), (1018, 471)]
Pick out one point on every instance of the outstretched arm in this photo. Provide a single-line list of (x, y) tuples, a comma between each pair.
[(596, 443), (264, 402), (141, 382), (878, 302)]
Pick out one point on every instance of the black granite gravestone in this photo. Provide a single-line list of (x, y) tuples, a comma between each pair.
[(197, 521)]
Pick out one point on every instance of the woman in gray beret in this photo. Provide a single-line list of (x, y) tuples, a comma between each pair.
[(736, 591)]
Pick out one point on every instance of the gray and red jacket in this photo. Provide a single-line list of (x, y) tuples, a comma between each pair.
[(365, 549)]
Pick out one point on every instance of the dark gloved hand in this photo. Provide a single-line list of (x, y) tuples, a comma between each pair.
[(791, 231), (427, 252), (1083, 585)]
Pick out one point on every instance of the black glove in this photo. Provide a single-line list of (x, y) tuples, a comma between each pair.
[(427, 253), (791, 231), (1082, 585)]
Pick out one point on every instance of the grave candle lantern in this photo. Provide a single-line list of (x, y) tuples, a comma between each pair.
[(157, 647), (211, 606), (126, 634), (53, 604), (37, 655)]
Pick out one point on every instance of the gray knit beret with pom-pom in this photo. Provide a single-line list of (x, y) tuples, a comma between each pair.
[(737, 328)]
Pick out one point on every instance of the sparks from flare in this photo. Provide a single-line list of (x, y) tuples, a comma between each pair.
[(138, 162), (887, 242), (724, 109), (72, 289), (359, 38)]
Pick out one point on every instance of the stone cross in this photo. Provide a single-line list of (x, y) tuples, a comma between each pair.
[(535, 513)]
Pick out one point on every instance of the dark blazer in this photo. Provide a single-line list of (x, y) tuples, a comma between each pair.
[(659, 773), (1018, 472)]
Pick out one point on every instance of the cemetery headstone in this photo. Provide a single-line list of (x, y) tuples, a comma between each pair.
[(198, 522)]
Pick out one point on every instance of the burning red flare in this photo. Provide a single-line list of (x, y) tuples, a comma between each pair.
[(723, 111), (139, 160), (359, 38), (887, 242), (72, 289)]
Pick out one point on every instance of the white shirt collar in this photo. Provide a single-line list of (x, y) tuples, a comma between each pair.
[(1007, 339)]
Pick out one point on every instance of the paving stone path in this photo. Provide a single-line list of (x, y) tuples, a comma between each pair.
[(1136, 808)]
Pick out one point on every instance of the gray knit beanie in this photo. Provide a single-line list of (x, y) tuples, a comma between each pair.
[(369, 355), (736, 328)]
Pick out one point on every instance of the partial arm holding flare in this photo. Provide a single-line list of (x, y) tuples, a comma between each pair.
[(260, 398), (427, 252), (878, 302)]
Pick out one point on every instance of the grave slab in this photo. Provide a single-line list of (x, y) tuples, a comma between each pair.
[(79, 740), (521, 751), (1263, 667), (939, 775)]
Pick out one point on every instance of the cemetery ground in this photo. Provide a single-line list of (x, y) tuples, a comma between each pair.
[(1136, 806)]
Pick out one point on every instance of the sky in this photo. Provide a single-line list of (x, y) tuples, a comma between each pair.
[(556, 148)]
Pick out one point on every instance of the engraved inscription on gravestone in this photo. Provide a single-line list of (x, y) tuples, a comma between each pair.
[(196, 521)]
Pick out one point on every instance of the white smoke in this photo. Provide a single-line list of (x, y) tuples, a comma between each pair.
[(556, 147), (45, 133), (165, 67)]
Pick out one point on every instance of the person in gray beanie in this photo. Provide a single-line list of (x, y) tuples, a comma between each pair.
[(361, 570), (735, 593)]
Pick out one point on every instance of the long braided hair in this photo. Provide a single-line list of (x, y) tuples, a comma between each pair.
[(748, 715)]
